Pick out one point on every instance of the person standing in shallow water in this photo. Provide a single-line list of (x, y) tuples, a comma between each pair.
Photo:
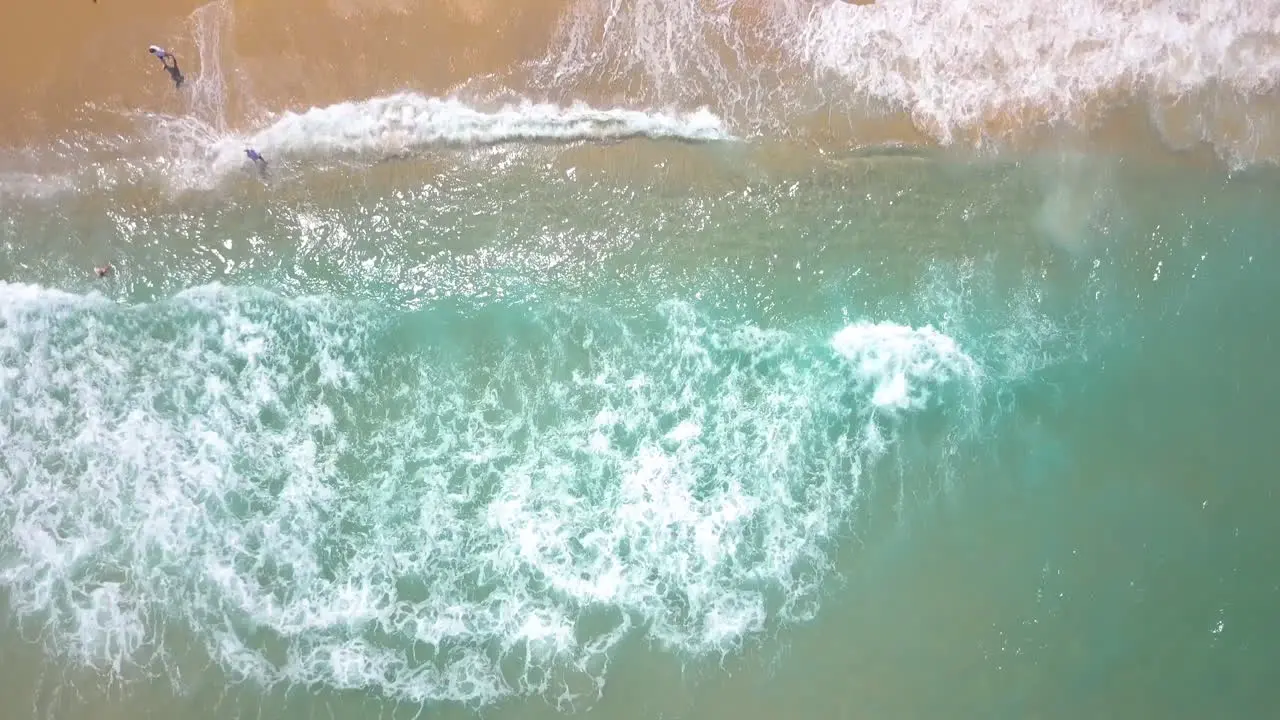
[(169, 62), (259, 161)]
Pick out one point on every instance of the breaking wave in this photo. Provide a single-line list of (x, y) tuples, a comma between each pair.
[(432, 506)]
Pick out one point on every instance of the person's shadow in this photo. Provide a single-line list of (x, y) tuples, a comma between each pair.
[(171, 66)]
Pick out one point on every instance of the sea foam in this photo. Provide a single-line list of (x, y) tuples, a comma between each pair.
[(331, 494), (957, 70), (408, 123)]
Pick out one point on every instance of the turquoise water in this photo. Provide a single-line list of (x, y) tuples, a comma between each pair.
[(900, 436)]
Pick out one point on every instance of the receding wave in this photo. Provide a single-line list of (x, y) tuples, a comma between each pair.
[(956, 70), (434, 506), (409, 121), (406, 123)]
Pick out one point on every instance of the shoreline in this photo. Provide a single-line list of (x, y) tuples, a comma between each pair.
[(141, 174)]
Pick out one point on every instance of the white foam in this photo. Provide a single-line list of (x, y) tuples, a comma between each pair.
[(200, 154), (207, 92), (408, 121), (949, 64), (316, 510), (958, 64), (891, 359)]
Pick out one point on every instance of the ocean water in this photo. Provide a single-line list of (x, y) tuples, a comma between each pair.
[(605, 387)]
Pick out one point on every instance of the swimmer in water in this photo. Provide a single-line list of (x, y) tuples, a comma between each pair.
[(258, 160), (169, 62), (103, 271)]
